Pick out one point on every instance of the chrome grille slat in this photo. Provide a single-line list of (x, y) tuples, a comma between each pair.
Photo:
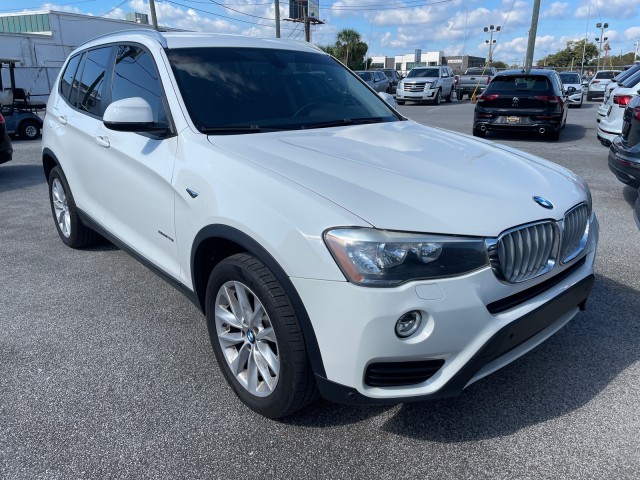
[(529, 251), (575, 232), (525, 252)]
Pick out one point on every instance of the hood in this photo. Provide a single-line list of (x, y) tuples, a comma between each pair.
[(409, 177), (419, 79)]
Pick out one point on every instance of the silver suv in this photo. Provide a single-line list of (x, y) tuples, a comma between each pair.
[(427, 84)]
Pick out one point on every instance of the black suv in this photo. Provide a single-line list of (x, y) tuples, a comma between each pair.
[(523, 100), (393, 76)]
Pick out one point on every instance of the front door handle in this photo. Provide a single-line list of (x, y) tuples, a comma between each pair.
[(103, 141), (62, 119)]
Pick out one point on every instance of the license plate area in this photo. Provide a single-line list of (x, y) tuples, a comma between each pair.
[(513, 119)]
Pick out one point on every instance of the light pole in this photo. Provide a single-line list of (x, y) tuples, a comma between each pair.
[(601, 39), (490, 29)]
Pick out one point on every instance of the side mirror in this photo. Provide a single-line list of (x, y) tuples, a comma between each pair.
[(131, 115), (388, 98)]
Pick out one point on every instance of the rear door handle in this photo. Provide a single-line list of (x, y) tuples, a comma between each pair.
[(62, 119), (103, 141)]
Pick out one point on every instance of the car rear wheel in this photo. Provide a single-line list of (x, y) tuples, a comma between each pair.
[(449, 98), (72, 231), (256, 337), (400, 102), (29, 130), (460, 95), (554, 136)]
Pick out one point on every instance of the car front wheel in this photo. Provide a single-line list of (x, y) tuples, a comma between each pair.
[(256, 337), (438, 97)]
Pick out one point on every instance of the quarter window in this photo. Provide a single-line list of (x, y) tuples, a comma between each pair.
[(66, 81), (136, 75)]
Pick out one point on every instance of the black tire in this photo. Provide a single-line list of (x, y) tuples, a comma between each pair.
[(295, 386), (438, 98), (460, 95), (400, 102), (449, 98), (78, 234), (554, 136), (479, 133), (29, 130)]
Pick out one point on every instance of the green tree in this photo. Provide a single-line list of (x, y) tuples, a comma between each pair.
[(350, 49), (571, 55), (500, 65)]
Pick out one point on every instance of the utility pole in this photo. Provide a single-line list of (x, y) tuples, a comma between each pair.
[(307, 25), (277, 18), (531, 43), (154, 20)]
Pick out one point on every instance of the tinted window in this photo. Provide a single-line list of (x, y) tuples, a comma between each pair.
[(136, 75), (520, 84), (231, 90), (366, 76), (67, 77), (631, 81), (605, 74), (92, 87), (424, 72), (570, 78), (75, 87)]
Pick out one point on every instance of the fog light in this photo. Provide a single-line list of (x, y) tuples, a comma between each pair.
[(408, 324)]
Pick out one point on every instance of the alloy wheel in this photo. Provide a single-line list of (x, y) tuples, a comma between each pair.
[(61, 207), (247, 338)]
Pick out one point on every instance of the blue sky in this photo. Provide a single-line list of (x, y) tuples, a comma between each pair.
[(392, 27)]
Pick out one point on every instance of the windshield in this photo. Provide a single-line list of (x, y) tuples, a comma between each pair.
[(605, 74), (248, 90), (570, 78), (424, 72)]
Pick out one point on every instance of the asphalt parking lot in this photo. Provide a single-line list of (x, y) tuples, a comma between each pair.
[(106, 371)]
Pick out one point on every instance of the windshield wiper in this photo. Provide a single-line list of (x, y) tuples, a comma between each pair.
[(232, 129), (343, 122)]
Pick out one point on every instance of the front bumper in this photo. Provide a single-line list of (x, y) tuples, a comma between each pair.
[(355, 329), (525, 123), (421, 96), (575, 99), (625, 163)]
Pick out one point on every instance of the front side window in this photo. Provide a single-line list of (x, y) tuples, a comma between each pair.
[(230, 90), (135, 75), (91, 96)]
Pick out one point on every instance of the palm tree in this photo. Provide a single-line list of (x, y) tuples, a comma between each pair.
[(350, 48)]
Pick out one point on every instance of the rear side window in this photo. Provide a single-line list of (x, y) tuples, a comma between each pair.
[(91, 94), (519, 84), (136, 75), (66, 82)]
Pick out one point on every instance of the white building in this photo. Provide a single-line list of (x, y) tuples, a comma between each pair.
[(46, 37), (404, 63)]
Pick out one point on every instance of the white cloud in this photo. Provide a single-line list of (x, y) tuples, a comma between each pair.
[(608, 9), (632, 33), (556, 10)]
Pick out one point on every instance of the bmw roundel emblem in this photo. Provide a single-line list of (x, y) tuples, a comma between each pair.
[(543, 202)]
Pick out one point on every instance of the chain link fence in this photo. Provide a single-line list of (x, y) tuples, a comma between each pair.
[(36, 81)]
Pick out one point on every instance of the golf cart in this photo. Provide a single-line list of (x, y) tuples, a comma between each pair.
[(17, 108)]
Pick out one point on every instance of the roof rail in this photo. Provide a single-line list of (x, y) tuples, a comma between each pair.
[(138, 31)]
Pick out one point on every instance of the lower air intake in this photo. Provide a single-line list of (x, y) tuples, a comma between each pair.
[(396, 374)]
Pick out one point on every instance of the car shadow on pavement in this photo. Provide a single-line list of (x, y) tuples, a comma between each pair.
[(630, 195), (16, 177), (561, 375)]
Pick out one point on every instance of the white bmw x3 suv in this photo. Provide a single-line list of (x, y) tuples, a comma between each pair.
[(335, 247)]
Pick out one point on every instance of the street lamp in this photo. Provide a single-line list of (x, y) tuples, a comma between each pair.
[(490, 29), (601, 39)]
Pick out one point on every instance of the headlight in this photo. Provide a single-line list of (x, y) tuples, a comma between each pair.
[(379, 258), (400, 86)]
